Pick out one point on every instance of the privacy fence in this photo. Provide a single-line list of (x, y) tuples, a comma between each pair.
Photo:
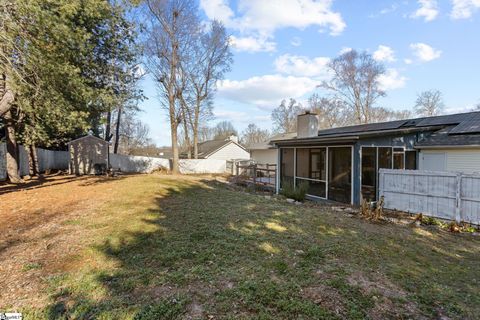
[(47, 160), (138, 164), (446, 195)]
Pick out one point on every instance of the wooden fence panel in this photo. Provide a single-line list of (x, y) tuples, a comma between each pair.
[(446, 195)]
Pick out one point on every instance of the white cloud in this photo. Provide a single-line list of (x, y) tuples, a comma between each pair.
[(266, 90), (238, 116), (260, 19), (345, 50), (424, 52), (217, 9), (296, 42), (464, 9), (408, 61), (392, 80), (384, 53), (302, 66), (428, 10), (252, 44)]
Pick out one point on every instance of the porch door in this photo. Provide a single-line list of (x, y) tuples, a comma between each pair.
[(340, 174)]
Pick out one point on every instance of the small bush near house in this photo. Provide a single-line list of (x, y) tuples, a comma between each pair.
[(297, 193), (372, 214)]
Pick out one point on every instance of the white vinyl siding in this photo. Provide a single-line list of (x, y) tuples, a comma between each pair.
[(266, 156), (229, 152), (463, 160)]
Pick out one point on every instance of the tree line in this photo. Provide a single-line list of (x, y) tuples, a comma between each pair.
[(66, 67)]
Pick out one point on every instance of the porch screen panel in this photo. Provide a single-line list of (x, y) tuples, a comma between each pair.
[(311, 170), (369, 173), (315, 188), (340, 174), (287, 166)]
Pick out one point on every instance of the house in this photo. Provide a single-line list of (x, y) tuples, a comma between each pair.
[(341, 164), (88, 155), (265, 152), (223, 149)]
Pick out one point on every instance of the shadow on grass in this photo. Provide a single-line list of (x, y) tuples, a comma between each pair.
[(201, 250), (36, 183)]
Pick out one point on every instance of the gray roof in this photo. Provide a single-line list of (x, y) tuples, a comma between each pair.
[(206, 148), (446, 137), (466, 124)]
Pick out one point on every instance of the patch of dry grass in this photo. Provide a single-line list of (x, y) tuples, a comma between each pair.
[(173, 247)]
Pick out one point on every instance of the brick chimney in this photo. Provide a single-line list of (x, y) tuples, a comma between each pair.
[(307, 125)]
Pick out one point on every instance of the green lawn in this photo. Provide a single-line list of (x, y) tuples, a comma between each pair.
[(167, 247)]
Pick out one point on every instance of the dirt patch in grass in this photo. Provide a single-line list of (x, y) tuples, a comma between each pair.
[(327, 297), (36, 229)]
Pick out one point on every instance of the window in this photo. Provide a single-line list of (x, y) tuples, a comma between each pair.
[(398, 161), (411, 160), (385, 158), (398, 158)]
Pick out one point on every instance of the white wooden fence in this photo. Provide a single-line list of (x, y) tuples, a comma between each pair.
[(47, 159), (139, 164), (446, 195)]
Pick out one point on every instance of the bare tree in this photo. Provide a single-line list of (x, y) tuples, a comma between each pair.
[(381, 114), (253, 134), (173, 26), (331, 112), (223, 130), (429, 103), (208, 63), (355, 82), (284, 117)]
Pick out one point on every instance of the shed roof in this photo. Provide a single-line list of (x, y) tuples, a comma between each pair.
[(89, 136)]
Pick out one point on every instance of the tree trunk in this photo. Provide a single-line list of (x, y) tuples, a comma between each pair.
[(117, 130), (108, 126), (12, 148), (33, 160), (175, 159), (195, 130)]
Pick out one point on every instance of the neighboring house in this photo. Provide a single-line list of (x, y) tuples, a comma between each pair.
[(342, 164), (265, 152), (225, 149)]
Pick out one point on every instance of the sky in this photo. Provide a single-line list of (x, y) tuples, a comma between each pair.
[(281, 49)]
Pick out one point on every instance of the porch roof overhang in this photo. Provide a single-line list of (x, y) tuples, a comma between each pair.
[(350, 138), (316, 141)]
